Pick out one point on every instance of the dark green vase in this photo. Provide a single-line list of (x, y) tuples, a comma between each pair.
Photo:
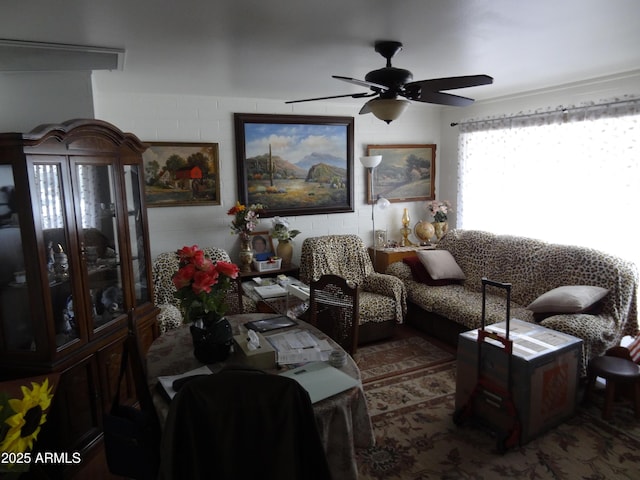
[(212, 339)]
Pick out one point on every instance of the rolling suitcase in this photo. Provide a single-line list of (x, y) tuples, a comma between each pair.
[(491, 402)]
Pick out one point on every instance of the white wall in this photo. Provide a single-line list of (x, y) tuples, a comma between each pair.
[(565, 95), (210, 119), (31, 99)]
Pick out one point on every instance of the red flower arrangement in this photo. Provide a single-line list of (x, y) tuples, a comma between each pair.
[(202, 284)]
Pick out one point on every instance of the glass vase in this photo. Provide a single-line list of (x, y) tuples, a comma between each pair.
[(440, 229)]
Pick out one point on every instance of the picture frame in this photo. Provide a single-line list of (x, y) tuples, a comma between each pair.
[(260, 252), (295, 164), (407, 173), (181, 174)]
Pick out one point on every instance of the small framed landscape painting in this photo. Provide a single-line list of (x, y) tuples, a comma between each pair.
[(295, 164), (181, 174), (406, 173)]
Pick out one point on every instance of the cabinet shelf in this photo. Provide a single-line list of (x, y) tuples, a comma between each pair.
[(79, 232)]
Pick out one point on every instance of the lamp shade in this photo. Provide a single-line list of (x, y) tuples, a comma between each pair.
[(382, 203), (387, 109), (371, 161)]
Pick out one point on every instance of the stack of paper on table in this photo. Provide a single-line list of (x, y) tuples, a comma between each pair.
[(321, 380), (300, 291), (270, 291), (299, 346)]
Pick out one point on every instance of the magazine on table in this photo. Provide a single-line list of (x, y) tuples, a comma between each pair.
[(272, 323)]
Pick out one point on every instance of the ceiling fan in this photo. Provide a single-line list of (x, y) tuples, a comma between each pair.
[(389, 83)]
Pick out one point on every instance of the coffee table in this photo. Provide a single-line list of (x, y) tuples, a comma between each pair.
[(294, 304)]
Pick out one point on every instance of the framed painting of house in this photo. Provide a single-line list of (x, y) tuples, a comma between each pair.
[(181, 174), (295, 164), (406, 173)]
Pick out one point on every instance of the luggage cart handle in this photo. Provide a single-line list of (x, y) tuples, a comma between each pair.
[(505, 286), (507, 344)]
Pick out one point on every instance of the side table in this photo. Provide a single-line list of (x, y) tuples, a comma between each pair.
[(386, 256)]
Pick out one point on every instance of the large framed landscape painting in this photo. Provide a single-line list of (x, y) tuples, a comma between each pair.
[(181, 174), (295, 164), (406, 173)]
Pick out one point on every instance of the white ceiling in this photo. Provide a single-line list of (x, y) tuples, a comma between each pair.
[(288, 49)]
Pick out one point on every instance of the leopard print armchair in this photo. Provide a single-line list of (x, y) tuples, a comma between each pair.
[(164, 266), (383, 298)]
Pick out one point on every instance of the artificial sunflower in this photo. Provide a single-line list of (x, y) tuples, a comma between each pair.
[(24, 425)]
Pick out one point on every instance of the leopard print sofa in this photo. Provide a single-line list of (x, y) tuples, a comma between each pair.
[(164, 266), (533, 267)]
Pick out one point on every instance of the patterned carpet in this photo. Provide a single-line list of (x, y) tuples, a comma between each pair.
[(410, 389)]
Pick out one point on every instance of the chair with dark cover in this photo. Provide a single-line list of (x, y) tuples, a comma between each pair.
[(333, 308), (242, 423), (170, 316), (382, 298)]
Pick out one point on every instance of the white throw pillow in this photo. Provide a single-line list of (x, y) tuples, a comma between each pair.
[(568, 299), (441, 265)]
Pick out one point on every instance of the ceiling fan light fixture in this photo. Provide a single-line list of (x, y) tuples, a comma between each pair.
[(388, 109)]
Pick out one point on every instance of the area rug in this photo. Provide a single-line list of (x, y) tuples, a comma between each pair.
[(416, 438), (398, 356)]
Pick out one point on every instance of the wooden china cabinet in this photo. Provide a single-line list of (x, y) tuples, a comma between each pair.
[(74, 272)]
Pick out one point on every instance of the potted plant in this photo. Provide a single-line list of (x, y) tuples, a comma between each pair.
[(439, 210), (202, 286), (284, 234), (245, 220)]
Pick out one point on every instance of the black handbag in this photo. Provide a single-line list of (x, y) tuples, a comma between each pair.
[(131, 435)]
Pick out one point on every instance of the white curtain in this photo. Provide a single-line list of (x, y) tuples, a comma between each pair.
[(88, 177), (571, 175), (47, 183)]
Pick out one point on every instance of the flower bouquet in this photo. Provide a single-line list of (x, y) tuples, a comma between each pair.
[(439, 209), (245, 219), (202, 286)]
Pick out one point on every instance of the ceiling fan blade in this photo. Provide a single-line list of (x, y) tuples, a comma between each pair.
[(365, 109), (441, 98), (451, 83), (352, 95), (362, 83)]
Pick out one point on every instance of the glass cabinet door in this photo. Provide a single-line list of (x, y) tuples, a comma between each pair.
[(15, 310), (98, 235), (50, 199), (133, 195)]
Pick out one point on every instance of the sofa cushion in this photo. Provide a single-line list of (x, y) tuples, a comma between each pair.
[(441, 265), (568, 299), (421, 275)]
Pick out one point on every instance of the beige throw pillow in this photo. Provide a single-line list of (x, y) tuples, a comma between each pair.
[(441, 265), (568, 299)]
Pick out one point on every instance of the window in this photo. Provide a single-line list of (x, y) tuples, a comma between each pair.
[(571, 176)]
